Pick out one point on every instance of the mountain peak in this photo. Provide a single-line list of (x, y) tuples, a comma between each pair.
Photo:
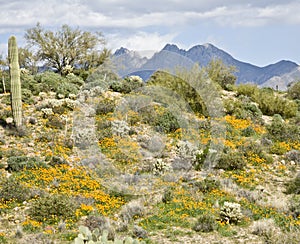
[(171, 48), (121, 51)]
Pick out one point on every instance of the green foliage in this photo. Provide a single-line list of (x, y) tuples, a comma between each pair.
[(19, 163), (13, 189), (66, 46), (207, 185), (293, 186), (168, 195), (167, 122), (105, 106), (127, 85), (279, 130), (205, 223), (221, 74), (268, 101), (271, 104), (50, 81), (181, 87), (294, 206), (231, 161), (161, 118), (248, 90), (294, 90), (53, 208), (243, 108)]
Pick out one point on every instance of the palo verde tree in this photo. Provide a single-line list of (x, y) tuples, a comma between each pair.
[(66, 47), (223, 75)]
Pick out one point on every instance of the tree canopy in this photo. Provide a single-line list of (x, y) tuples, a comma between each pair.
[(66, 47)]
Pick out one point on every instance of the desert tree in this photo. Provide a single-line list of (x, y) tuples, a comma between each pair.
[(220, 73), (66, 47)]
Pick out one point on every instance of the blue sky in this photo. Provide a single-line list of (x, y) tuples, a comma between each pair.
[(260, 32)]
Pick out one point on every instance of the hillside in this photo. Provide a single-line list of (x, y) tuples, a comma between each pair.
[(172, 56), (149, 161)]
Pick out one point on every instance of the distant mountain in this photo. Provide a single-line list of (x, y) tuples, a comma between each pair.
[(171, 56), (282, 82), (127, 61)]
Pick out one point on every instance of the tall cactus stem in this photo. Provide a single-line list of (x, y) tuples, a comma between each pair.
[(15, 89)]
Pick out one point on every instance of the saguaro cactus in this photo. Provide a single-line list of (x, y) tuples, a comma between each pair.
[(15, 89)]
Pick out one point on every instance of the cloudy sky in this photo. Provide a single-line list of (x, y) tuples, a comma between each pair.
[(257, 31)]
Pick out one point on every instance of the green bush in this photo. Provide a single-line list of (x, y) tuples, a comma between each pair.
[(127, 85), (167, 122), (105, 106), (205, 223), (231, 161), (248, 90), (53, 208), (294, 90), (27, 96), (55, 122), (279, 130), (181, 87), (207, 185), (12, 189), (293, 186), (19, 163), (294, 206)]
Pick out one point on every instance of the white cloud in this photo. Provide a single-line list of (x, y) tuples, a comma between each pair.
[(147, 43)]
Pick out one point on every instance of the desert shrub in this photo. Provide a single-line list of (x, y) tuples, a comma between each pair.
[(243, 108), (64, 89), (19, 163), (294, 206), (139, 233), (127, 85), (56, 160), (251, 147), (205, 223), (181, 87), (248, 90), (293, 186), (168, 195), (207, 185), (279, 130), (132, 210), (101, 223), (222, 74), (231, 161), (28, 82), (167, 122), (264, 228), (27, 96), (73, 79), (53, 208), (293, 155), (278, 148), (231, 213), (48, 81), (294, 90), (12, 189), (270, 104), (105, 106), (55, 122)]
